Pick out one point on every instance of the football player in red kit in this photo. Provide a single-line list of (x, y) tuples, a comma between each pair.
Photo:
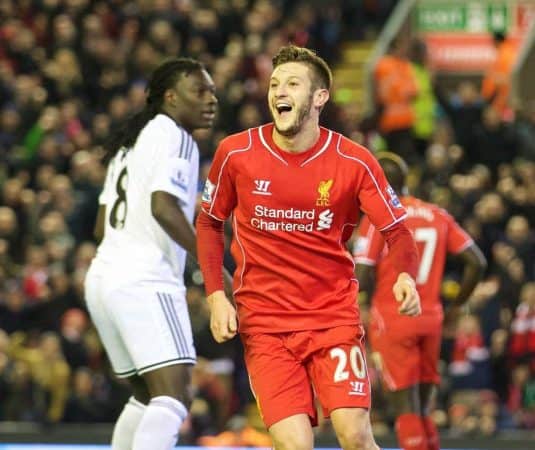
[(293, 191), (408, 349)]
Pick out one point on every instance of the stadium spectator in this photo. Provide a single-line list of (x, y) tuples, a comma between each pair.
[(464, 110), (495, 141), (395, 90), (521, 398), (48, 369), (525, 127), (424, 103), (83, 406), (469, 367), (497, 80), (522, 339)]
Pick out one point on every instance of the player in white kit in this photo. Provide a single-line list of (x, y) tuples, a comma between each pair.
[(135, 288)]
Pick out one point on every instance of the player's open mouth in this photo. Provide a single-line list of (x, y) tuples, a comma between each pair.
[(208, 115), (283, 109)]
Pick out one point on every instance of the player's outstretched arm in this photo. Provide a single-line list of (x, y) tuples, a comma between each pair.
[(167, 212)]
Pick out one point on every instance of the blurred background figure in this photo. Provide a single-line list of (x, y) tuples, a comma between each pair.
[(424, 103), (496, 85), (395, 90)]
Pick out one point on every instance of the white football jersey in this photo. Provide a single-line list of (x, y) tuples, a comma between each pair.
[(164, 158)]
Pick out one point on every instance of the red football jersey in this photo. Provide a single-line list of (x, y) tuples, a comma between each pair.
[(292, 215), (436, 234)]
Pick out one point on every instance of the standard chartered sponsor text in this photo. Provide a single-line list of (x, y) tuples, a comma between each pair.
[(261, 213)]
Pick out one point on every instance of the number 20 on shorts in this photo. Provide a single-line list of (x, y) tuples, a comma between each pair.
[(356, 363)]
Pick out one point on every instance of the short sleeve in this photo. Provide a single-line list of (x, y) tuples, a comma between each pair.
[(458, 239), (219, 195), (107, 194), (173, 171), (377, 198), (369, 244)]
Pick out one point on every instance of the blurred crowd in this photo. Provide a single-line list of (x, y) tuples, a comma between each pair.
[(71, 70)]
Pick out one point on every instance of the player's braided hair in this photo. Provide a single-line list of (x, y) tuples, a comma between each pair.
[(164, 77), (323, 77)]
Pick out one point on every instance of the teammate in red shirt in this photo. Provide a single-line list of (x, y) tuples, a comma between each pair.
[(294, 190), (408, 348)]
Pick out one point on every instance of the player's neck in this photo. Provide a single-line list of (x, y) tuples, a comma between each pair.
[(166, 111), (300, 142)]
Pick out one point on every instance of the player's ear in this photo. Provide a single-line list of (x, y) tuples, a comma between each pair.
[(320, 97), (170, 97)]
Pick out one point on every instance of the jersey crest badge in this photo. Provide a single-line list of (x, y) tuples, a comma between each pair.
[(323, 189), (208, 190)]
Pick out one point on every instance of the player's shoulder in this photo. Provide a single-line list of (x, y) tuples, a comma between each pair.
[(346, 148), (167, 134), (443, 213), (438, 212), (237, 141), (163, 123), (162, 132), (415, 202)]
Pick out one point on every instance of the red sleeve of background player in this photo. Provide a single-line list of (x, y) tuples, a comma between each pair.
[(376, 197), (369, 244), (458, 239)]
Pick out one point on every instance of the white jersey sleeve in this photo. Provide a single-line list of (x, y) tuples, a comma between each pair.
[(173, 175)]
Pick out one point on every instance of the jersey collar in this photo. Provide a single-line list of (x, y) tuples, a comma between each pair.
[(266, 137)]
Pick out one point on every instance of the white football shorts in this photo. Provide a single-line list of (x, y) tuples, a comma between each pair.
[(143, 325)]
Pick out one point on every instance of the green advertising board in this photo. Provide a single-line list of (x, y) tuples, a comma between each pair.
[(468, 17)]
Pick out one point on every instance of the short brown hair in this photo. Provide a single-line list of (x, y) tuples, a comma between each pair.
[(323, 76)]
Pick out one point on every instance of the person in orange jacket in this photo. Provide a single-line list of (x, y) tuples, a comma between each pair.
[(396, 88), (496, 83)]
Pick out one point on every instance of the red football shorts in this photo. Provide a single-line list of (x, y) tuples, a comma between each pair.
[(288, 371), (408, 349)]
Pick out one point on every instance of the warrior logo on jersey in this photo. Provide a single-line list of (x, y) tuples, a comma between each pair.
[(209, 189), (323, 189), (262, 187), (394, 200), (357, 388)]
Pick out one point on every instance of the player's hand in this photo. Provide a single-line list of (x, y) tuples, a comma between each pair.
[(223, 319), (406, 294)]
